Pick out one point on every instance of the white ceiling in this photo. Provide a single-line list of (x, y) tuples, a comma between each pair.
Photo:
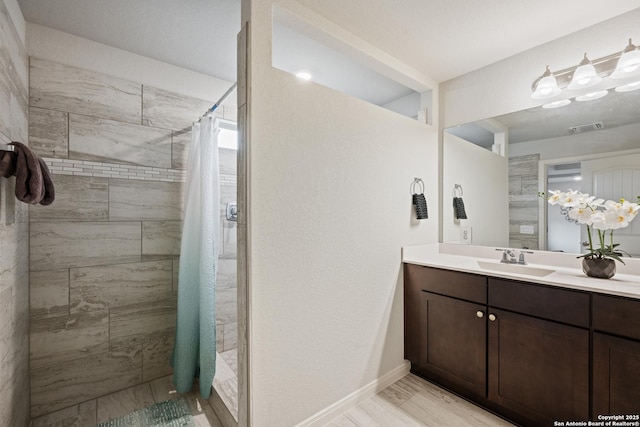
[(447, 38), (441, 38), (199, 35)]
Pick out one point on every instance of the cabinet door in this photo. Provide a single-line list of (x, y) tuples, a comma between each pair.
[(453, 343), (616, 375), (538, 368)]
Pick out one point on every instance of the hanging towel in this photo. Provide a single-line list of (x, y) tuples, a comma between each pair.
[(47, 182), (34, 183), (194, 352), (458, 208), (420, 202), (29, 182)]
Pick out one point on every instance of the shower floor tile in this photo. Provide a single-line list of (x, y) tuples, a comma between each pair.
[(124, 402), (231, 357), (225, 381)]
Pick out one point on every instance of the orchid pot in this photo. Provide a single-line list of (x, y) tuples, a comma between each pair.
[(601, 218)]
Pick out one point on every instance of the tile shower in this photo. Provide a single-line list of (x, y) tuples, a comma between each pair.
[(523, 200), (104, 256), (14, 249)]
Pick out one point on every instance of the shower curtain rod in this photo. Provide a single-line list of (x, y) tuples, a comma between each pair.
[(220, 101)]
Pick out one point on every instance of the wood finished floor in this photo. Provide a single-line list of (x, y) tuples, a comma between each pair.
[(413, 402)]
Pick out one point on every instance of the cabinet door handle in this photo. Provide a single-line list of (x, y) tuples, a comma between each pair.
[(492, 317), (479, 313)]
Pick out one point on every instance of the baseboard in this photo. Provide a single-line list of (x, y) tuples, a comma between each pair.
[(330, 412)]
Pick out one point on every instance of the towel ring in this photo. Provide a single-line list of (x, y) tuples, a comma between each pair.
[(417, 182), (457, 189)]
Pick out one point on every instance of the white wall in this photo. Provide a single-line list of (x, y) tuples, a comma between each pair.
[(484, 178), (407, 105), (47, 43), (505, 86), (329, 208)]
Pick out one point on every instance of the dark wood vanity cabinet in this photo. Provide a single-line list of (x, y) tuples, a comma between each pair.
[(616, 355), (453, 343), (538, 351), (538, 369), (519, 349), (445, 327)]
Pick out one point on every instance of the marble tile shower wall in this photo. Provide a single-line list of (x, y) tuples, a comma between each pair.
[(523, 200), (14, 249), (104, 256)]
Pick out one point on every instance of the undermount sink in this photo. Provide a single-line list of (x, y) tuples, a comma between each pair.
[(515, 268)]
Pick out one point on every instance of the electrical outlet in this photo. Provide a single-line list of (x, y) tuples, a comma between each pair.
[(526, 229), (465, 235)]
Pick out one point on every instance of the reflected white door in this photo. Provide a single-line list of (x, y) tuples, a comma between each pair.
[(613, 178)]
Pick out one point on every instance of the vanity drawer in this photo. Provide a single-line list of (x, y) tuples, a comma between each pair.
[(455, 284), (561, 305), (616, 315)]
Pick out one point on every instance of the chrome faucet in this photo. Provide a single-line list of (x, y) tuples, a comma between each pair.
[(509, 256)]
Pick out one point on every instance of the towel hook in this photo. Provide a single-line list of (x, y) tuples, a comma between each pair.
[(417, 182), (457, 188)]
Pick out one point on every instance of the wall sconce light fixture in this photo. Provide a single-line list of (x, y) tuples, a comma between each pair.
[(587, 73)]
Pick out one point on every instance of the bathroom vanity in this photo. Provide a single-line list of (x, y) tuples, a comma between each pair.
[(536, 350)]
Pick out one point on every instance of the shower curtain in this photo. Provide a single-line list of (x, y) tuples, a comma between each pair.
[(194, 353)]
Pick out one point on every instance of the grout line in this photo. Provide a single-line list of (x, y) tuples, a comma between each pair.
[(141, 239), (68, 132), (108, 330), (69, 290), (142, 105)]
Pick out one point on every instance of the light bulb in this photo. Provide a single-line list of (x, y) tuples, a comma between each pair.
[(547, 87), (557, 104), (629, 87), (629, 62), (591, 96), (585, 75)]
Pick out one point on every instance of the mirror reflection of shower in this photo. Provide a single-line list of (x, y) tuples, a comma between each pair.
[(563, 235)]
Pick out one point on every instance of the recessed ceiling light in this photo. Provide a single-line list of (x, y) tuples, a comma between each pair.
[(577, 178), (557, 104), (303, 75), (591, 96)]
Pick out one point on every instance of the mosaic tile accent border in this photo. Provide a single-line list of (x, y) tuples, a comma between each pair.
[(113, 170)]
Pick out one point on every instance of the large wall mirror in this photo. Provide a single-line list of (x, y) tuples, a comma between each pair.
[(593, 147)]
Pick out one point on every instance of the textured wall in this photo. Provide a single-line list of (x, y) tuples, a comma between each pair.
[(483, 177), (14, 251), (329, 208), (505, 86), (104, 256)]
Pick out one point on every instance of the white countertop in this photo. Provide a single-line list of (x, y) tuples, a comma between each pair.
[(567, 271)]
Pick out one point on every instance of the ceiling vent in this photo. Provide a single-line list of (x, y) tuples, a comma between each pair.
[(586, 128)]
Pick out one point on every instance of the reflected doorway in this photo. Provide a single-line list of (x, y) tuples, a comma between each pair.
[(563, 234)]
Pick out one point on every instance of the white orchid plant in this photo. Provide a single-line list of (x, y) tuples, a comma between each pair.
[(599, 215)]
